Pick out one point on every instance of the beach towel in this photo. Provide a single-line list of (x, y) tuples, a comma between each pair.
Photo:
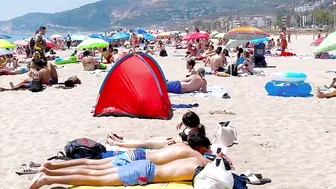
[(171, 185), (213, 92)]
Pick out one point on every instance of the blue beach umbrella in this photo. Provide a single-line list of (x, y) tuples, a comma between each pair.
[(147, 36), (4, 37), (261, 40), (119, 36), (79, 37), (140, 31), (100, 36)]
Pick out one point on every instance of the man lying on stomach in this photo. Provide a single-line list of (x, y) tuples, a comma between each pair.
[(173, 163)]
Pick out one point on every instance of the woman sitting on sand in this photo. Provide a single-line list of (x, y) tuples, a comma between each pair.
[(88, 62), (190, 120), (247, 67), (330, 92)]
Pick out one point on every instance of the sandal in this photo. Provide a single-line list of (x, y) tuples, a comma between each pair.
[(26, 170), (255, 179), (31, 164)]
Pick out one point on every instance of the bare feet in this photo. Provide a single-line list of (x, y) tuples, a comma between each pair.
[(37, 181), (319, 93), (111, 140), (2, 89)]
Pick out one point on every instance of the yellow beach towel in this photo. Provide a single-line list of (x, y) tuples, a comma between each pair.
[(171, 185)]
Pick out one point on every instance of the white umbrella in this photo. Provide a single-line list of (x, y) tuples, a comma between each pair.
[(234, 43), (79, 37), (56, 36)]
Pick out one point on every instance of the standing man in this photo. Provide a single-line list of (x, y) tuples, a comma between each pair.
[(68, 41), (40, 45)]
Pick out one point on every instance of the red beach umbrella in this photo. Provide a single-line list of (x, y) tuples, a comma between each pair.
[(196, 35), (317, 42)]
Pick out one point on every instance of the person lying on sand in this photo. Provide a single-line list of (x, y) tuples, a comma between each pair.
[(93, 173), (331, 92), (190, 120), (193, 83), (43, 74)]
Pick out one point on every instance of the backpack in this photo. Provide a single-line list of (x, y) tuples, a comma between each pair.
[(32, 42), (232, 70), (84, 148), (36, 86)]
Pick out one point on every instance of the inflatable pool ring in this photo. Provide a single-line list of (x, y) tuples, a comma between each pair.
[(102, 66), (288, 77), (331, 56), (70, 60), (288, 84)]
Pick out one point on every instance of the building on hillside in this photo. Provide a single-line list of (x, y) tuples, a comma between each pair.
[(308, 6)]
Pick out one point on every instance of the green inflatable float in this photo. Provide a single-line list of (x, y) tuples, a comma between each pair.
[(70, 60)]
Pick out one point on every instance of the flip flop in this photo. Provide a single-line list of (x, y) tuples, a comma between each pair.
[(226, 96), (194, 105), (25, 170), (255, 179), (118, 137), (31, 164)]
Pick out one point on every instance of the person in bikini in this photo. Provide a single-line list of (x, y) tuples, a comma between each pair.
[(247, 66), (107, 55), (330, 92), (43, 74), (190, 120), (283, 39), (193, 83), (88, 62)]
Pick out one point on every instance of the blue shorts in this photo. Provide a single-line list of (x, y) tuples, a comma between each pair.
[(29, 85), (53, 81), (140, 172), (174, 87), (129, 157)]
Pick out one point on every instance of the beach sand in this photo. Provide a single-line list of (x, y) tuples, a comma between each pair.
[(290, 140)]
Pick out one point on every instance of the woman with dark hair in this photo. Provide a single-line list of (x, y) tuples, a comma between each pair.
[(190, 120), (240, 58)]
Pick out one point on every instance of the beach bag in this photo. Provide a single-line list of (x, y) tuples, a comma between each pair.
[(215, 175), (36, 86), (226, 135), (163, 53), (84, 148), (232, 70)]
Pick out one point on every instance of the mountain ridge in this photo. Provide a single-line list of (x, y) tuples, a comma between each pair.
[(106, 14)]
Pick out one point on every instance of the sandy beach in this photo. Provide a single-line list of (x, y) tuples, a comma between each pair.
[(290, 140)]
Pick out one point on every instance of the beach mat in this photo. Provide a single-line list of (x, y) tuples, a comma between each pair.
[(171, 185), (331, 71), (213, 92)]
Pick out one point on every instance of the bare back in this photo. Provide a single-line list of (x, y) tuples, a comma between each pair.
[(52, 69), (216, 62), (195, 83), (172, 153), (44, 75), (179, 170), (88, 63)]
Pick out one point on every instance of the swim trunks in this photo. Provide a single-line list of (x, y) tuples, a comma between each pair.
[(31, 84), (109, 59), (220, 69), (53, 81), (128, 157), (174, 87), (240, 61), (140, 172)]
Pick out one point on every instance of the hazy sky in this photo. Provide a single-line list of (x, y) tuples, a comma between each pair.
[(13, 8)]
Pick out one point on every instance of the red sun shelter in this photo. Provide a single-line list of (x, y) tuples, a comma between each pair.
[(135, 87)]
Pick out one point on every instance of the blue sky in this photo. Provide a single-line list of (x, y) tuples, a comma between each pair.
[(14, 8)]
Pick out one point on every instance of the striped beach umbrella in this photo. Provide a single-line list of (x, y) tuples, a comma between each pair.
[(245, 33)]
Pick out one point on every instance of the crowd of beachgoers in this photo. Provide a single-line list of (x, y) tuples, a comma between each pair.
[(190, 155)]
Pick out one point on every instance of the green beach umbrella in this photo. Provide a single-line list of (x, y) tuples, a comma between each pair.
[(93, 43), (328, 44), (4, 44)]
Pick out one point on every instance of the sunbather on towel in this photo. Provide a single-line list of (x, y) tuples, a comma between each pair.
[(190, 120), (193, 83), (136, 173), (331, 92)]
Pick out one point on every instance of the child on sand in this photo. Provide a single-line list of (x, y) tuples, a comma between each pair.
[(190, 66)]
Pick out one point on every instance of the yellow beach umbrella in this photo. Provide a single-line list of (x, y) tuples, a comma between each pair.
[(6, 44), (220, 35), (164, 34)]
